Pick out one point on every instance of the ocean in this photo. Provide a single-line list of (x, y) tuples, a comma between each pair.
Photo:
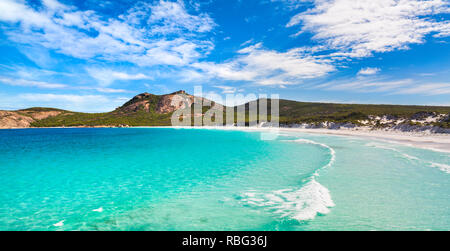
[(201, 179)]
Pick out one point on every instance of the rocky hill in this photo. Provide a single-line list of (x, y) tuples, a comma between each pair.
[(160, 104), (144, 109), (156, 110), (24, 118), (435, 119)]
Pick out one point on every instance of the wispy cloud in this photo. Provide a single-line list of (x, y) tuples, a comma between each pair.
[(368, 71), (226, 89), (358, 28), (230, 99), (368, 85), (102, 89), (29, 83), (27, 72), (172, 43), (247, 42), (107, 76), (293, 4), (46, 85), (267, 67), (389, 87), (427, 89), (148, 34), (172, 17)]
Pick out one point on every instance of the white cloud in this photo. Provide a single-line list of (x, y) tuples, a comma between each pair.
[(30, 83), (268, 67), (247, 42), (427, 89), (106, 76), (160, 34), (230, 99), (103, 90), (401, 86), (369, 85), (427, 74), (166, 33), (368, 71), (47, 85), (293, 4), (358, 28), (171, 17), (226, 89), (39, 55), (227, 71)]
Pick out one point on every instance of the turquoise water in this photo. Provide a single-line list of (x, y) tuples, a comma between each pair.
[(190, 179)]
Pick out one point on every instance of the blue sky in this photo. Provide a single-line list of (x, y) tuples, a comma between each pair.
[(94, 55)]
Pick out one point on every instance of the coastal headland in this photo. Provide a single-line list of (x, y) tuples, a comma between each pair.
[(424, 126)]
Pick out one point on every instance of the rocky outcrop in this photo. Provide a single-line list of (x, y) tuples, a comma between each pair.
[(174, 101), (23, 119), (137, 103), (44, 115), (160, 104), (155, 103), (14, 120)]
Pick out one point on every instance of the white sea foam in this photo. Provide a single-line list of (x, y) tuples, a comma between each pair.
[(283, 135), (380, 146), (332, 152), (99, 210), (402, 154), (300, 204), (59, 224), (443, 167)]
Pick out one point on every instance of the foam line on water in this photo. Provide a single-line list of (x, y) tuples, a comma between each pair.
[(300, 204), (443, 167), (332, 152), (402, 154)]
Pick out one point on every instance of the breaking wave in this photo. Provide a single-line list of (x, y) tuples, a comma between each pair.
[(302, 204)]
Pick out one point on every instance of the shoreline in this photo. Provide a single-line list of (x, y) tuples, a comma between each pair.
[(430, 141), (435, 142)]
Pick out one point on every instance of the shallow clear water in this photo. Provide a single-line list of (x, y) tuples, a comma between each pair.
[(189, 179)]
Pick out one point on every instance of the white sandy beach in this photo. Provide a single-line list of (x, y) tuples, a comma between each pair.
[(437, 142), (432, 141)]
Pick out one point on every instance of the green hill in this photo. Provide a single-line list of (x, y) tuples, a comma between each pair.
[(156, 110), (309, 112)]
